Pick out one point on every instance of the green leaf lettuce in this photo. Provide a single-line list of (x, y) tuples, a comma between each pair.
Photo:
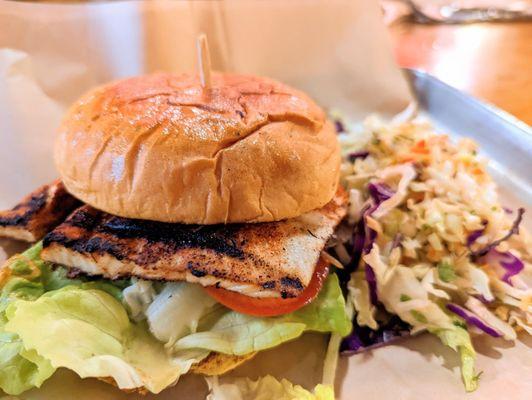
[(48, 321)]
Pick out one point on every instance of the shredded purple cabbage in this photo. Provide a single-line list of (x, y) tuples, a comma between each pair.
[(473, 236), (482, 299), (357, 154), (371, 235), (359, 238), (509, 263), (396, 241), (472, 319), (363, 338), (364, 236), (339, 126), (372, 284), (360, 233), (514, 230), (380, 192)]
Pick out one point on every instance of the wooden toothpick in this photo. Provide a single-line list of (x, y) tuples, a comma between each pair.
[(204, 61)]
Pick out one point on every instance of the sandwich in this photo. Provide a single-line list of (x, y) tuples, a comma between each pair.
[(185, 234)]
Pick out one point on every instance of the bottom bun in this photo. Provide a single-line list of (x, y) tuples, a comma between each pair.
[(218, 363), (213, 364)]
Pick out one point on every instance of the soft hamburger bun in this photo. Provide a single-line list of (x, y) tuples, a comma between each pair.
[(158, 147)]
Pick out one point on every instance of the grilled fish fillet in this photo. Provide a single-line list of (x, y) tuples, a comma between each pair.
[(38, 213), (274, 259)]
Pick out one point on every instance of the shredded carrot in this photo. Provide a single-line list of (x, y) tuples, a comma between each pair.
[(434, 255), (406, 158), (417, 196), (420, 147)]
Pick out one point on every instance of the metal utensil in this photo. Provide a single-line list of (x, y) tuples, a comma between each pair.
[(450, 14)]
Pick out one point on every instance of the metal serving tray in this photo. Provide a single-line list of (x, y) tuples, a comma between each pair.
[(502, 138)]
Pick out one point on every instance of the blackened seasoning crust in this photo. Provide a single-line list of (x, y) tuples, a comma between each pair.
[(275, 259), (21, 214), (87, 218), (98, 232), (37, 213), (195, 271), (220, 238), (294, 282), (268, 285)]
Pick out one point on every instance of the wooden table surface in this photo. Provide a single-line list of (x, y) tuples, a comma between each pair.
[(492, 61)]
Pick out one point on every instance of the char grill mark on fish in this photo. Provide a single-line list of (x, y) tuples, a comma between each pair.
[(91, 231), (37, 213), (261, 260)]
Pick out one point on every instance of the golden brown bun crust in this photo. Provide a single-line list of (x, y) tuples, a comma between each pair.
[(157, 147), (217, 363)]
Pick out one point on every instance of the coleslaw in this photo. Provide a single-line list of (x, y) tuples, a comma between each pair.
[(427, 245)]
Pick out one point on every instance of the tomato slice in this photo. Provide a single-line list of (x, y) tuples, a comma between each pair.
[(268, 307)]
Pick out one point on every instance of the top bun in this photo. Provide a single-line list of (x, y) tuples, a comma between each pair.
[(158, 147)]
